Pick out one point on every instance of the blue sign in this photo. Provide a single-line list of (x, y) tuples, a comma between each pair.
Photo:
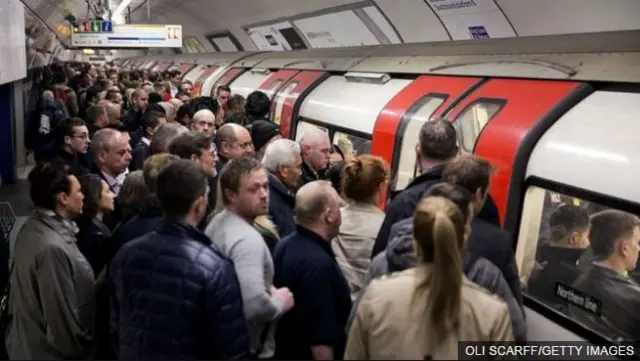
[(107, 27), (478, 32)]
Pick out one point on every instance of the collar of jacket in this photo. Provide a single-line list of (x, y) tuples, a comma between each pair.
[(434, 173), (178, 227), (280, 187), (67, 229), (311, 236)]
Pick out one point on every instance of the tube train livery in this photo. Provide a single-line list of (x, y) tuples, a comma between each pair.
[(557, 116)]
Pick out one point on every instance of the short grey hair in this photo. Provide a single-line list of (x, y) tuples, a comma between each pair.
[(279, 152), (311, 134), (164, 135), (203, 114), (103, 139)]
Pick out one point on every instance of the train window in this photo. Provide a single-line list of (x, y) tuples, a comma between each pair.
[(272, 88), (351, 145), (280, 98), (407, 163), (303, 126), (560, 269), (473, 119)]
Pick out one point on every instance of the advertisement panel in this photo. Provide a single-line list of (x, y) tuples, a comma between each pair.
[(275, 37), (472, 19), (339, 29), (106, 34)]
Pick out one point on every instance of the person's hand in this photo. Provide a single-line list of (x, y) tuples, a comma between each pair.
[(286, 296)]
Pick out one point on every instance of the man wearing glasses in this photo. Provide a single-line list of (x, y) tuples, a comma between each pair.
[(72, 143)]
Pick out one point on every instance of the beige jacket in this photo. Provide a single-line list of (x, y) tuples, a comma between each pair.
[(386, 327)]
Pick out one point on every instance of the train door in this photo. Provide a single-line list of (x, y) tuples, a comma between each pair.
[(288, 98), (274, 82), (161, 66), (226, 78), (249, 81), (494, 119), (202, 77), (398, 126), (184, 68)]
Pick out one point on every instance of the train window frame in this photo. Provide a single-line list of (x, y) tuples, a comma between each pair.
[(280, 98), (330, 128), (354, 151), (272, 89), (500, 102), (528, 237), (399, 146)]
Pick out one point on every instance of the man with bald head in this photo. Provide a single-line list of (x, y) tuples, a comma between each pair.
[(315, 147), (169, 111), (315, 329), (204, 121), (234, 141), (114, 112)]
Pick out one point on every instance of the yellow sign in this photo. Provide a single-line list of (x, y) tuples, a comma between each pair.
[(193, 45)]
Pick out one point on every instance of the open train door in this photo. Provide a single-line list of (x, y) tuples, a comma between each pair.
[(285, 104), (202, 77), (226, 78), (494, 120), (397, 128), (275, 81)]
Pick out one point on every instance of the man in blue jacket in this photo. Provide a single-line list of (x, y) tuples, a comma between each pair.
[(174, 296)]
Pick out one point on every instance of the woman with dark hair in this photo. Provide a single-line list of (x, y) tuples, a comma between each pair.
[(94, 235), (257, 106)]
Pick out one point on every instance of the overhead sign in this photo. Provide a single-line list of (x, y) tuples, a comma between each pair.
[(105, 34), (472, 19), (276, 37), (334, 30)]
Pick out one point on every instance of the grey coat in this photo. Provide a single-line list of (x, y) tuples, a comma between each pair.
[(51, 301), (400, 256)]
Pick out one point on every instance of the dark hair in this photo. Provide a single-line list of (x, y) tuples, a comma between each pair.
[(566, 218), (607, 228), (65, 129), (232, 173), (222, 88), (177, 201), (205, 102), (154, 98), (174, 73), (155, 107), (438, 140), (111, 94), (93, 113), (237, 117), (363, 176), (190, 143), (334, 175), (458, 195), (257, 104), (184, 111), (91, 186), (468, 172), (46, 181), (151, 119)]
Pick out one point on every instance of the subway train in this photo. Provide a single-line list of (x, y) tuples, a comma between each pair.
[(555, 115)]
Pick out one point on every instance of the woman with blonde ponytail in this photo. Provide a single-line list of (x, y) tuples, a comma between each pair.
[(423, 312)]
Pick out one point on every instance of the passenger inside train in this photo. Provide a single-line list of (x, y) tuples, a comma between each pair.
[(237, 215)]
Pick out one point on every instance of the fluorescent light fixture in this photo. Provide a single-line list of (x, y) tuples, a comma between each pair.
[(263, 71), (122, 6), (374, 78)]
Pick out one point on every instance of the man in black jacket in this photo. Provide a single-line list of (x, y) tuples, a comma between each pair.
[(151, 120), (436, 146)]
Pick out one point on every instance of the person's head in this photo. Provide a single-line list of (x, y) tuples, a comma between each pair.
[(471, 173), (244, 184), (264, 133), (316, 148), (177, 103), (152, 167), (234, 141), (174, 77), (98, 197), (439, 229), (151, 121), (133, 192), (198, 147), (97, 116), (437, 144), (53, 189), (365, 179), (222, 93), (114, 112), (460, 197), (282, 158), (187, 202), (163, 136), (317, 208), (184, 98), (236, 117), (72, 135), (154, 97), (186, 88), (111, 151), (569, 226), (257, 105), (615, 239), (140, 99), (204, 121), (184, 115), (112, 75), (235, 104), (169, 111), (114, 96)]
